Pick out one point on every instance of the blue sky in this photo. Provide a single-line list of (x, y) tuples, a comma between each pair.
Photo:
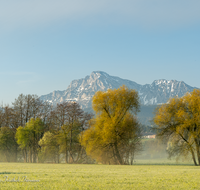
[(45, 44)]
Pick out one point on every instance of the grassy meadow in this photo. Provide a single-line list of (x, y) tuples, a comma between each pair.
[(67, 176)]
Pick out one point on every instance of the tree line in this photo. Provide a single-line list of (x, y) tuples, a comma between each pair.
[(35, 131)]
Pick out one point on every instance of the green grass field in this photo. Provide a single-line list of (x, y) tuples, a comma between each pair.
[(66, 176)]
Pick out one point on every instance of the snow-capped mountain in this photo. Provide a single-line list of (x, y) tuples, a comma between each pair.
[(82, 90), (161, 90)]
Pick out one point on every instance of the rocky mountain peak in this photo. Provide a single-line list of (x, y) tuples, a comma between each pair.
[(82, 90)]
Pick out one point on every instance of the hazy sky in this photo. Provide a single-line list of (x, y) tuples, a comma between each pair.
[(45, 44)]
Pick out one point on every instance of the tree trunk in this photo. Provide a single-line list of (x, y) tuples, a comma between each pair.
[(66, 155), (34, 155), (198, 151), (78, 154), (119, 159), (25, 155), (132, 157), (193, 157), (15, 157), (6, 156), (30, 155), (58, 158)]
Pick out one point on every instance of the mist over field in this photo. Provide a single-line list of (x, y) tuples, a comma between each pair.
[(100, 94)]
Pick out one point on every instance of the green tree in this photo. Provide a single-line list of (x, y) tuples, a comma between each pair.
[(113, 136), (8, 144), (178, 121), (68, 135), (8, 124), (50, 147), (24, 108), (28, 138), (67, 121), (22, 136)]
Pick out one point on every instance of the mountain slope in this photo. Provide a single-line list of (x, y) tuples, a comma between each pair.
[(161, 90), (82, 90)]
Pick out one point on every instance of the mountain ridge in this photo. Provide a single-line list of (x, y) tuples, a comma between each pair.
[(82, 90)]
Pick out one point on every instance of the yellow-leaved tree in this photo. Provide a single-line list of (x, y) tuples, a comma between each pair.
[(178, 121), (113, 135)]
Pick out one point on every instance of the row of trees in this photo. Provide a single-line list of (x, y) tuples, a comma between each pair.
[(34, 131), (11, 117)]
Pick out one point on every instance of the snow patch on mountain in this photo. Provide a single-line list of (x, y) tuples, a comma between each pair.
[(82, 90)]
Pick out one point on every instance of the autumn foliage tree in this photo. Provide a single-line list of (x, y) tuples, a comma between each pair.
[(113, 135), (178, 121)]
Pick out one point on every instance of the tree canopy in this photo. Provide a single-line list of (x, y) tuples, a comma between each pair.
[(113, 133), (30, 121), (178, 121), (29, 136)]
